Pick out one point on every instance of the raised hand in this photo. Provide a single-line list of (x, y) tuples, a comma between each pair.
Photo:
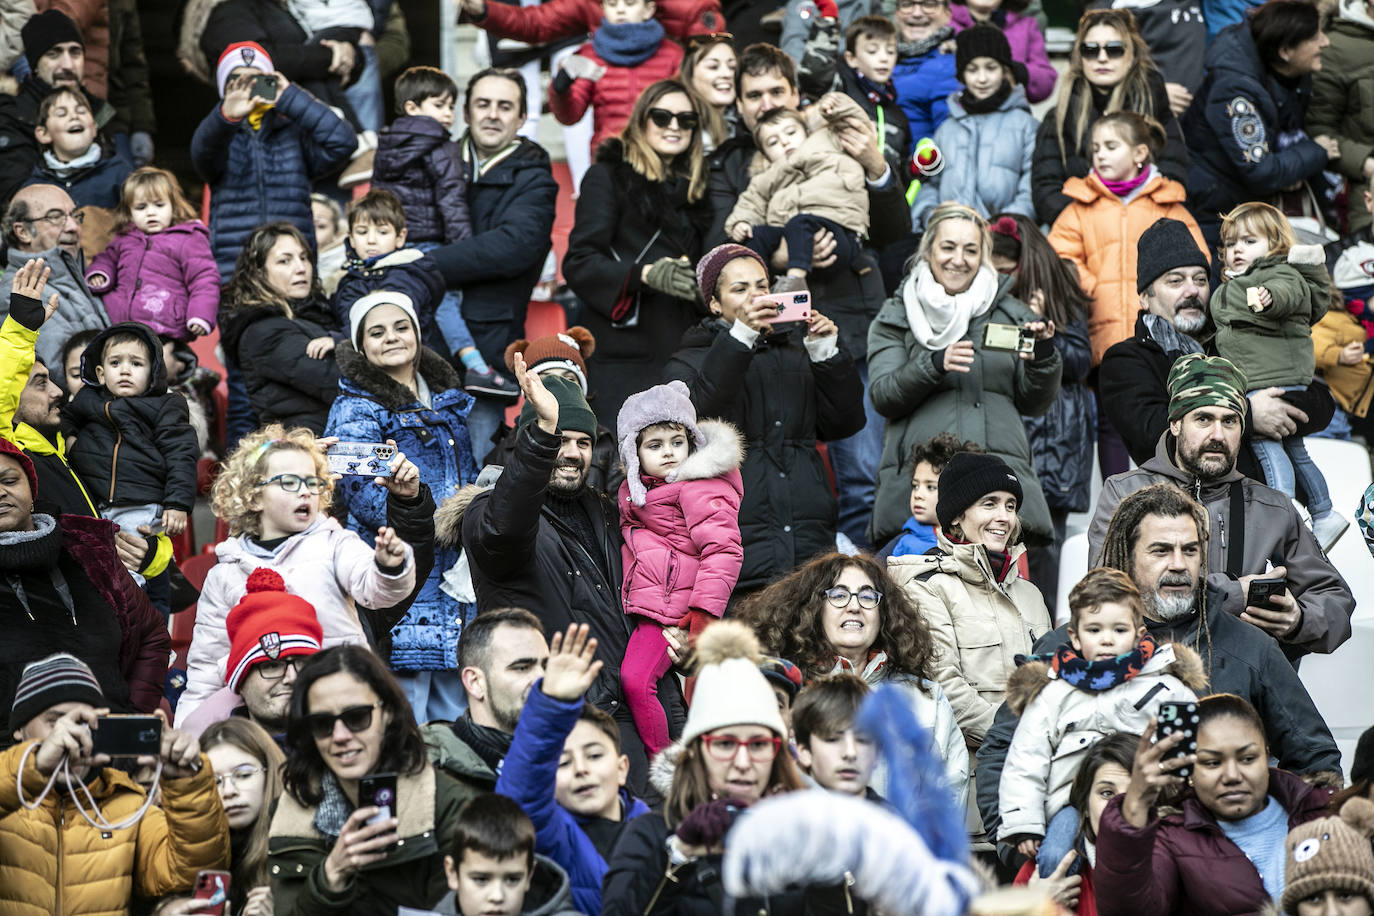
[(391, 550), (180, 752), (71, 738), (1152, 774), (573, 665), (545, 404), (30, 280)]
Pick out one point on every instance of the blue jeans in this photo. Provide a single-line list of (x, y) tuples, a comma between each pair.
[(486, 417), (1338, 428), (1060, 835), (1286, 462), (365, 95), (800, 233), (240, 419), (448, 315), (855, 461), (434, 695)]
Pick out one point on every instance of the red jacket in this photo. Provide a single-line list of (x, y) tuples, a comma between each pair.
[(1183, 864), (612, 97), (568, 18), (1087, 903)]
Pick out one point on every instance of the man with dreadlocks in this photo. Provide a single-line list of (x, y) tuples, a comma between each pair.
[(1159, 536)]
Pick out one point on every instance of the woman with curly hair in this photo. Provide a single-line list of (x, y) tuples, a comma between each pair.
[(839, 613)]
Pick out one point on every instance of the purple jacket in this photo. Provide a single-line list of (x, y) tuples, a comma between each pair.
[(418, 163), (682, 547), (1027, 47), (161, 280)]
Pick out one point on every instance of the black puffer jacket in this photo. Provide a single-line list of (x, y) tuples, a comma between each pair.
[(624, 222), (284, 385), (418, 163), (1061, 439), (781, 402), (132, 450)]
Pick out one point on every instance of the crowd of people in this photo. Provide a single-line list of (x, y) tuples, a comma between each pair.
[(742, 590)]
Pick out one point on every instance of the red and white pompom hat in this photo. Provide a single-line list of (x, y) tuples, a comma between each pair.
[(268, 624)]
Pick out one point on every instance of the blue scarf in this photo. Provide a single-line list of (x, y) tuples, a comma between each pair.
[(627, 44), (1103, 674)]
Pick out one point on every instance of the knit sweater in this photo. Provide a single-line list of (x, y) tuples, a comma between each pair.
[(1261, 837)]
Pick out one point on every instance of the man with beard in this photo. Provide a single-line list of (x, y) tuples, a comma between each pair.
[(1172, 277), (540, 538), (1252, 525)]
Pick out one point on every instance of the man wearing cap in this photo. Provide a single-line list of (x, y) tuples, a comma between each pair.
[(1255, 531), (54, 859)]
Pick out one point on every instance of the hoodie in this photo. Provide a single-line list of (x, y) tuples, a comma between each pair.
[(550, 894), (418, 163)]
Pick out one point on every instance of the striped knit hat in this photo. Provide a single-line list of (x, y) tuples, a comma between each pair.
[(59, 678), (268, 625)]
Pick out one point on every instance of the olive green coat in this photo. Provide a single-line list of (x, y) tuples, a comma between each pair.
[(1342, 103), (1274, 346)]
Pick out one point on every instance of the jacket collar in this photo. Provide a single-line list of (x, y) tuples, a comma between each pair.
[(1163, 464), (1300, 800), (415, 809), (384, 389)]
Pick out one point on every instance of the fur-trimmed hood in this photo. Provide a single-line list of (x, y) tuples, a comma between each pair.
[(448, 519), (720, 450), (370, 381), (1026, 682)]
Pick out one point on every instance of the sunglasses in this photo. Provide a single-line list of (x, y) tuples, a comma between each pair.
[(355, 719), (662, 117), (1091, 50)]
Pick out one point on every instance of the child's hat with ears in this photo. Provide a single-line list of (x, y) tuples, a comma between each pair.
[(566, 350)]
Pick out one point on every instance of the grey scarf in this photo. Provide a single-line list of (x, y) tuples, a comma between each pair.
[(921, 47), (334, 808), (1170, 339)]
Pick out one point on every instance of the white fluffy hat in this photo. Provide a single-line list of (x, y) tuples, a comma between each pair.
[(730, 688)]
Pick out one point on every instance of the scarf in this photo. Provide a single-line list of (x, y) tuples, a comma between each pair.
[(37, 549), (938, 319), (1101, 675), (923, 46), (627, 44), (988, 105), (1124, 189), (1169, 338), (255, 117), (878, 93), (334, 807), (491, 744), (63, 169), (874, 672)]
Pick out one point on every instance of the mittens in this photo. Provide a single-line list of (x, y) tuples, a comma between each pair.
[(707, 823)]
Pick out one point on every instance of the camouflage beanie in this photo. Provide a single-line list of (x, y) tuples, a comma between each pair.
[(1205, 381)]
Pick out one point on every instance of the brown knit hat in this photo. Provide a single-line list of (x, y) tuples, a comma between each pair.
[(568, 350), (1331, 853)]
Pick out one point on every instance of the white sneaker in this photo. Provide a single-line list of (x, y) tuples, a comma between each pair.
[(1328, 528)]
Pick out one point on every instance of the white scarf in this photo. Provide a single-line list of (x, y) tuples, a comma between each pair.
[(938, 319)]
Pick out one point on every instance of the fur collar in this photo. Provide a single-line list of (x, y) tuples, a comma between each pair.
[(722, 453), (415, 792), (1026, 682), (384, 389), (448, 518), (663, 768)]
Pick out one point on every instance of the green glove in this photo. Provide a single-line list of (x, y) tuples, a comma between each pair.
[(673, 276)]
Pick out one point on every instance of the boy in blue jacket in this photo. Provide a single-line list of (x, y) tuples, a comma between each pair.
[(565, 769)]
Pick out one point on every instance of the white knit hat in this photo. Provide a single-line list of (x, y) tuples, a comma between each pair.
[(241, 54), (357, 313), (730, 689)]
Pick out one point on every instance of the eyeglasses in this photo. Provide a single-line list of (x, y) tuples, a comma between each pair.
[(275, 671), (355, 719), (292, 483), (725, 747), (239, 775), (839, 596), (662, 117), (927, 6), (58, 218), (1092, 50)]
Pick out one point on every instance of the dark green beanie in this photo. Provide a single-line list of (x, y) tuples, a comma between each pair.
[(574, 416)]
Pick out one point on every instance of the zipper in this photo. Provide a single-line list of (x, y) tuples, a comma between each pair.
[(1221, 528), (114, 456)]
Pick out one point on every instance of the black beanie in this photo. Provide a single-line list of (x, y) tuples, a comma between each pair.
[(980, 40), (42, 31), (59, 678), (1163, 247), (574, 415), (969, 477)]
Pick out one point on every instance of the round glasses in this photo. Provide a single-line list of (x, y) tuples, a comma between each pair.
[(839, 596), (725, 747), (292, 483), (928, 6), (355, 719), (240, 776), (662, 117), (275, 671)]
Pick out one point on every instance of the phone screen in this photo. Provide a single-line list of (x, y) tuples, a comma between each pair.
[(378, 789)]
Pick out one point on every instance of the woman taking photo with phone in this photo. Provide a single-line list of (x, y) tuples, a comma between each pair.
[(328, 851)]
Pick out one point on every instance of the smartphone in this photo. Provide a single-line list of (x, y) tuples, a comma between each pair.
[(1261, 590), (360, 459), (378, 789), (212, 886), (264, 87), (127, 736), (793, 308), (1179, 717), (1009, 337)]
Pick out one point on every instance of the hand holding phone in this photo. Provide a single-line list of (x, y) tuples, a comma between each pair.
[(1179, 718), (1259, 591), (378, 790), (212, 887), (127, 736), (792, 308)]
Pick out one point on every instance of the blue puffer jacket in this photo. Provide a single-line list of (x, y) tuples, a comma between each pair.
[(259, 176), (1061, 440), (97, 185), (923, 83), (405, 270), (528, 775), (373, 407), (418, 163), (987, 160)]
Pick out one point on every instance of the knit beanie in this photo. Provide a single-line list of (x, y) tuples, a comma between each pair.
[(1165, 246), (1363, 766), (968, 477), (267, 625), (241, 54), (59, 678), (568, 350), (574, 414), (45, 29), (357, 313), (714, 261), (730, 688), (25, 462), (1331, 854), (981, 40), (1197, 381), (670, 403), (781, 673)]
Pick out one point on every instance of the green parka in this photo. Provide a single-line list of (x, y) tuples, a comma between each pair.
[(1342, 105)]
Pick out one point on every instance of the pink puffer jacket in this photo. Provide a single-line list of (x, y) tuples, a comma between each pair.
[(682, 547), (162, 280)]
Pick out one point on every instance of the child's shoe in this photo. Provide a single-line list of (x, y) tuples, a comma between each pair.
[(1328, 528), (490, 383)]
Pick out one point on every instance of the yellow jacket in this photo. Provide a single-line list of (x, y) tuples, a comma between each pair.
[(1351, 386), (53, 861)]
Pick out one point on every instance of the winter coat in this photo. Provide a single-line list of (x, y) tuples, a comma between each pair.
[(1234, 128), (1027, 46), (1273, 532), (258, 176), (1351, 386), (624, 222), (1087, 902), (980, 624), (333, 569), (1175, 31), (417, 162), (528, 775), (1342, 104), (132, 450), (1098, 232), (1061, 721), (571, 18), (550, 893), (782, 402), (284, 385), (605, 475), (13, 15), (56, 862), (80, 310), (682, 548), (412, 874), (1274, 346), (373, 407), (97, 185), (130, 90), (1062, 440), (512, 206), (18, 115), (612, 97), (1053, 165), (161, 280), (405, 270), (987, 159), (1182, 863), (924, 84), (984, 405)]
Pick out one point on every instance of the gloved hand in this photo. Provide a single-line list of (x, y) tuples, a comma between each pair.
[(141, 147), (707, 823), (582, 68), (673, 276)]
